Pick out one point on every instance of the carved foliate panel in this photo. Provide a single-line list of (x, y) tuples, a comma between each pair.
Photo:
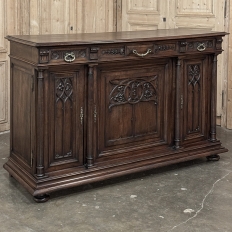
[(133, 91), (131, 111)]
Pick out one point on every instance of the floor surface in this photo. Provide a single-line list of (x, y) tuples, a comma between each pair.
[(193, 196)]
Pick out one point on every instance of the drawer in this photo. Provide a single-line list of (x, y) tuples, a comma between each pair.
[(111, 52), (155, 49), (197, 46), (65, 55), (140, 50)]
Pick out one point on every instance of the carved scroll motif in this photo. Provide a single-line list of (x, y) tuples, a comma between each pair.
[(133, 91)]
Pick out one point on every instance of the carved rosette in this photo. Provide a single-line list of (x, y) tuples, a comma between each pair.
[(133, 91), (114, 51), (44, 56), (219, 43), (164, 47)]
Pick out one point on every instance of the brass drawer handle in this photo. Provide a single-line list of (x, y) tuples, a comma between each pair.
[(142, 54), (201, 47), (69, 57)]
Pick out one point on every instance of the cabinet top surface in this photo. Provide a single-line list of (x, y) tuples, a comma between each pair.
[(112, 37)]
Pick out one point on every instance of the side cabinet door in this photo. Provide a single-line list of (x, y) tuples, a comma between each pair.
[(65, 120), (135, 107), (195, 99)]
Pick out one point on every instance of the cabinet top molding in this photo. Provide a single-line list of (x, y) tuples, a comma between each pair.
[(112, 37)]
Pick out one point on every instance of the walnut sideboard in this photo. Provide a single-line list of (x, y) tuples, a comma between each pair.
[(87, 107)]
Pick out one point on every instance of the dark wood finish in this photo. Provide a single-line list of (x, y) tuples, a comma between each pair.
[(88, 107), (41, 198), (213, 99), (179, 99)]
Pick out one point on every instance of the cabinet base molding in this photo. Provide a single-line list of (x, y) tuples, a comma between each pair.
[(40, 188)]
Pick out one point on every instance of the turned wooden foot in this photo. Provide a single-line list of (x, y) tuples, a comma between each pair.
[(41, 198), (213, 158)]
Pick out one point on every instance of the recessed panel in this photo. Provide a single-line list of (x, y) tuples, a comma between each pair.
[(197, 7), (145, 5), (66, 128), (194, 100), (21, 113), (2, 25), (3, 93), (131, 108), (142, 26)]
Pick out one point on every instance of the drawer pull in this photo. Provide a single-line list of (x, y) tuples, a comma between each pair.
[(69, 57), (201, 47), (143, 54)]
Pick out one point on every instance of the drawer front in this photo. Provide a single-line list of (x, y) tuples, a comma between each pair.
[(140, 50), (112, 52), (125, 51), (201, 45), (63, 55), (161, 48)]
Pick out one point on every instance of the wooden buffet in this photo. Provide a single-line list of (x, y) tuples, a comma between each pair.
[(87, 107)]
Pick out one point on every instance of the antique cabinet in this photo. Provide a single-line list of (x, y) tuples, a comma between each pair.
[(88, 107)]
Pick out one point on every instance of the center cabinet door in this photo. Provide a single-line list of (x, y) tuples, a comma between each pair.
[(135, 108)]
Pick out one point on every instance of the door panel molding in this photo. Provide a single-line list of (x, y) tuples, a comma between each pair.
[(195, 8), (3, 93)]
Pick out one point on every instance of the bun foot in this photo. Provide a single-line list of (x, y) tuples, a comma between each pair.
[(41, 198), (213, 158)]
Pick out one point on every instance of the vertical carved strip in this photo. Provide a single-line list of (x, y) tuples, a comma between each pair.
[(213, 100), (81, 115), (95, 113), (90, 129), (178, 104), (64, 117), (40, 125)]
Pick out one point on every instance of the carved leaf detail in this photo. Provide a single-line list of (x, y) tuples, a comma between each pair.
[(132, 91)]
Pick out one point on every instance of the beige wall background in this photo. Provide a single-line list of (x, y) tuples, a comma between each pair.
[(76, 16)]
